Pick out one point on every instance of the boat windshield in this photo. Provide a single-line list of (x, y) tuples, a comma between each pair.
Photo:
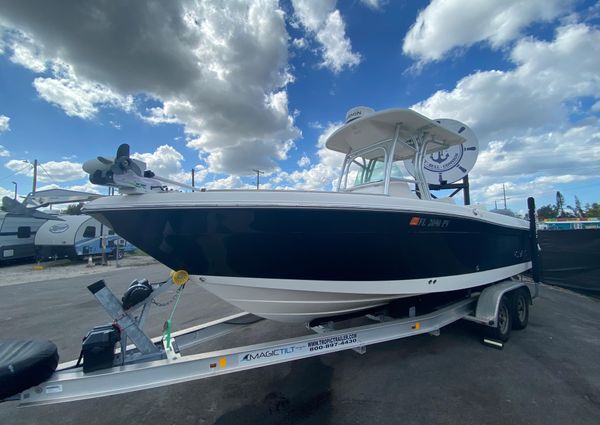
[(363, 171)]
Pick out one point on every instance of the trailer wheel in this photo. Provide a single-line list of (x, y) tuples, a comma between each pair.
[(503, 322), (520, 316)]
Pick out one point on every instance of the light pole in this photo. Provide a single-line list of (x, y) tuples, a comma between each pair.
[(258, 173), (15, 183)]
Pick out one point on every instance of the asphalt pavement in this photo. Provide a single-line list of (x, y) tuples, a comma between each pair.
[(547, 373)]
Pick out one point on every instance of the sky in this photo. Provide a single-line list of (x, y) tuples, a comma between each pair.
[(228, 87)]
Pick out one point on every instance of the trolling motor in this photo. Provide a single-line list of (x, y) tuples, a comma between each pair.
[(129, 175)]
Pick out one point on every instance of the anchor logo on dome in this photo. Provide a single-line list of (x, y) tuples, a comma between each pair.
[(439, 158)]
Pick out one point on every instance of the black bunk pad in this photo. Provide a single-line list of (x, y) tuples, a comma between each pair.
[(25, 363)]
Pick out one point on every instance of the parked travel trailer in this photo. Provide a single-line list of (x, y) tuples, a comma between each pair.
[(75, 236), (17, 233)]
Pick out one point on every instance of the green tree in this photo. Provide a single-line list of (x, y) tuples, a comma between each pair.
[(74, 209), (592, 210), (577, 209), (546, 211)]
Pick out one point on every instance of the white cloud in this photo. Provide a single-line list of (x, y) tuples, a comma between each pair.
[(88, 187), (165, 161), (25, 53), (448, 24), (79, 97), (4, 152), (85, 187), (596, 107), (528, 139), (322, 175), (230, 182), (4, 123), (373, 4), (60, 171), (536, 165), (158, 116), (325, 24), (6, 192), (304, 161), (531, 96), (221, 71), (300, 43), (517, 191), (51, 171), (575, 151)]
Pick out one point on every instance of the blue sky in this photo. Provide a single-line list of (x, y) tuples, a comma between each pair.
[(260, 84)]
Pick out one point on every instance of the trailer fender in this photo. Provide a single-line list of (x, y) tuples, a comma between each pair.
[(488, 304)]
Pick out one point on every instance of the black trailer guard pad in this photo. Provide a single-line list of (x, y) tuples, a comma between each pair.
[(25, 363)]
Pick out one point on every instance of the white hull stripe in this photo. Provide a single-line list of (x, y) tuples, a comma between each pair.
[(385, 287)]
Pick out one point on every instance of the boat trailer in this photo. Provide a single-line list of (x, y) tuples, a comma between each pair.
[(109, 366)]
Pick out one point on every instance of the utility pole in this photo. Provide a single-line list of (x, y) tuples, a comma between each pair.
[(15, 183), (193, 176), (496, 205), (35, 165), (258, 173), (504, 192), (103, 244)]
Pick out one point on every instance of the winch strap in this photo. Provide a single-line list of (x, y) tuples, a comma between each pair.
[(167, 326)]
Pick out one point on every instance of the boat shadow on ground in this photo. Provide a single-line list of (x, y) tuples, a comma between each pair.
[(303, 395)]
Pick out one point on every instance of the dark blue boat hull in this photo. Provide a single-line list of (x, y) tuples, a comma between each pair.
[(319, 244)]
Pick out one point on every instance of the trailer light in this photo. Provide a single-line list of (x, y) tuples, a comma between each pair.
[(212, 365), (180, 277), (223, 361), (417, 326)]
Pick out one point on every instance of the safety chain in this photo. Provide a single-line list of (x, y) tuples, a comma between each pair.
[(170, 301)]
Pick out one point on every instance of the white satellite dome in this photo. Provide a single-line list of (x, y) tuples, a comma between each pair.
[(358, 112)]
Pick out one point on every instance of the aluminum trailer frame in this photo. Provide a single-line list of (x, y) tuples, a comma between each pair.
[(150, 363)]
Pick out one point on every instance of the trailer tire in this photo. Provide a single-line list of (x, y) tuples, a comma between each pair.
[(520, 310), (501, 331)]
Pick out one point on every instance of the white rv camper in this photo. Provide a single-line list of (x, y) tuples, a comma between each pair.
[(17, 233), (20, 221), (75, 236)]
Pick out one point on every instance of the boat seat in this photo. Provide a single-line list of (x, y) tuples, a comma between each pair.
[(24, 364), (401, 189)]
